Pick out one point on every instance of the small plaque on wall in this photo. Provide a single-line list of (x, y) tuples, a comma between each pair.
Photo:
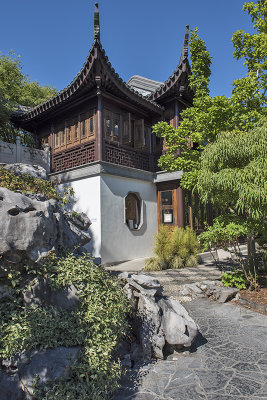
[(167, 218)]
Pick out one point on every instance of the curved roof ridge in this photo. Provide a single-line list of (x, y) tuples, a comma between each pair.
[(183, 66), (64, 90), (77, 82), (121, 81)]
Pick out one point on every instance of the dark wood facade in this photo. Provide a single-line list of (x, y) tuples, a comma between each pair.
[(99, 117)]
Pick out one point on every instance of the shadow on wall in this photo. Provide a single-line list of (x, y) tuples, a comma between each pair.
[(70, 207), (141, 231)]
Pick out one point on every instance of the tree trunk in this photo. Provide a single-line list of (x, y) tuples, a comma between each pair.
[(251, 253)]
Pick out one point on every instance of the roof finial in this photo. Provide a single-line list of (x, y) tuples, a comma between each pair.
[(96, 23), (184, 53)]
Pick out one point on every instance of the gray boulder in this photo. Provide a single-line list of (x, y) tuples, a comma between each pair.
[(141, 289), (4, 292), (178, 327), (146, 281), (158, 321), (41, 293), (10, 388), (21, 169), (148, 324), (226, 293), (207, 288), (31, 229), (48, 365), (81, 221)]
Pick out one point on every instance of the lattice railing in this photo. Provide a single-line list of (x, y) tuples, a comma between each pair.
[(126, 157), (73, 157), (155, 162)]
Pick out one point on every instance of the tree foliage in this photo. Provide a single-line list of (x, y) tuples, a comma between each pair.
[(233, 172), (97, 324), (233, 176), (17, 89), (209, 116)]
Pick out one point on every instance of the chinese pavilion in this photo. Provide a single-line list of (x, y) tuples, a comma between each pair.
[(99, 132)]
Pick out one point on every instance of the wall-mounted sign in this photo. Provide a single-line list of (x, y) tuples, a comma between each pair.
[(167, 218)]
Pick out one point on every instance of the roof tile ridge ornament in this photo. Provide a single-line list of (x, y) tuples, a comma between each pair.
[(184, 53), (182, 66), (96, 23)]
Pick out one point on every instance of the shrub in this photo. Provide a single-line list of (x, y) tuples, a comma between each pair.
[(235, 279), (225, 233), (28, 184), (174, 248), (97, 323), (153, 264), (162, 243)]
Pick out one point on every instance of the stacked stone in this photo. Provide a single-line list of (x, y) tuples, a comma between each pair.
[(31, 228), (159, 323), (207, 288)]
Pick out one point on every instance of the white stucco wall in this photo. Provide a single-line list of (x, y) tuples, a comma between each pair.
[(118, 242), (87, 199), (100, 190)]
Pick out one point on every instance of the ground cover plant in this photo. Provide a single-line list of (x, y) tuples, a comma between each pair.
[(96, 324), (28, 184), (174, 248)]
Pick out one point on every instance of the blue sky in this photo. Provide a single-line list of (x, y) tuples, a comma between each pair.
[(140, 37)]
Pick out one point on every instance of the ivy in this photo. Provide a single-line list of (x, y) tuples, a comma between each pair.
[(28, 184), (96, 324), (234, 279)]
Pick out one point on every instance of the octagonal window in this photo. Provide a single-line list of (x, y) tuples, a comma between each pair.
[(132, 211)]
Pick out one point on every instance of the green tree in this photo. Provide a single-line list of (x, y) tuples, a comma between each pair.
[(233, 173), (211, 115), (233, 176), (17, 89)]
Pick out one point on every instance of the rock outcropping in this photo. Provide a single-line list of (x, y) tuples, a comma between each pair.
[(22, 169), (30, 229), (207, 288), (18, 375), (160, 324)]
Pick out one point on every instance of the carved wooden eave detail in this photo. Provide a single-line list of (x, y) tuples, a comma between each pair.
[(85, 82), (112, 82), (176, 85)]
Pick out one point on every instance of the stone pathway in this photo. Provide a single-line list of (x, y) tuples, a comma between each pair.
[(170, 279), (227, 362)]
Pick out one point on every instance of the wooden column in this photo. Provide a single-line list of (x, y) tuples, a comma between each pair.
[(180, 196), (121, 128), (190, 211), (52, 146), (99, 133), (176, 115), (151, 163), (180, 207)]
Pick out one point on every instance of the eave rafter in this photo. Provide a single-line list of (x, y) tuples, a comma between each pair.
[(177, 83), (86, 80)]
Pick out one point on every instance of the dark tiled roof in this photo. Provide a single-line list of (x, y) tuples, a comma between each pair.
[(84, 78), (143, 85), (178, 81), (174, 81)]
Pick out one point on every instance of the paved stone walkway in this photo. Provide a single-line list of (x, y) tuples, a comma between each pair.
[(170, 279), (227, 362)]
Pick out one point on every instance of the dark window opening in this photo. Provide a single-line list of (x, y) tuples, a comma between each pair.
[(132, 211)]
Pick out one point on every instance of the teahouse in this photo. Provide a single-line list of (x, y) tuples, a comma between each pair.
[(99, 133)]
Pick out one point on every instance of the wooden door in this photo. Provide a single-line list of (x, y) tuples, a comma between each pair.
[(167, 207)]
